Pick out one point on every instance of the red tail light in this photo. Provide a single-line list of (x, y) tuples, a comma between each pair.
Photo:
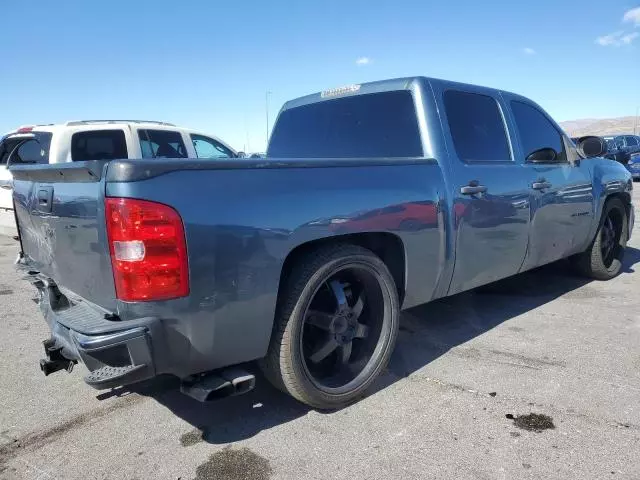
[(148, 250)]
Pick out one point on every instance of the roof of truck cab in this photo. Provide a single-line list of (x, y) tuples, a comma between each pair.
[(403, 83), (356, 89)]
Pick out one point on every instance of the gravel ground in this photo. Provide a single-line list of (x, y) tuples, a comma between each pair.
[(456, 401)]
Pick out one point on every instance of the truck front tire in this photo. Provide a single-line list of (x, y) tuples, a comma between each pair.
[(335, 328), (603, 259)]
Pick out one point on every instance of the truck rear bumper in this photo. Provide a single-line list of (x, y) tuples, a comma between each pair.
[(115, 352)]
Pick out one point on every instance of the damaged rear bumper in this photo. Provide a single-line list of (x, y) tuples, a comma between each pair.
[(115, 352)]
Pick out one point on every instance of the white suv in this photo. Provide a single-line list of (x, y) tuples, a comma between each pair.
[(98, 140)]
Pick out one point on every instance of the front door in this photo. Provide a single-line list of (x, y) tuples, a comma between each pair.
[(490, 189), (562, 200)]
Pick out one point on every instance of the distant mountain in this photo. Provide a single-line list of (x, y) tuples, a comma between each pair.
[(600, 126)]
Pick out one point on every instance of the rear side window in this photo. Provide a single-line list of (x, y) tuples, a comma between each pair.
[(476, 127), (161, 144), (206, 147), (98, 145), (29, 152), (379, 125), (33, 150), (536, 131)]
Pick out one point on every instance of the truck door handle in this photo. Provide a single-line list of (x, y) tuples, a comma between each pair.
[(541, 184), (473, 189), (6, 185)]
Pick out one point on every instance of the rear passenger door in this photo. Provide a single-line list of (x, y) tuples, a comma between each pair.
[(490, 190), (561, 185)]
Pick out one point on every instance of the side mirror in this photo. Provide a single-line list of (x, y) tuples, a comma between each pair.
[(542, 155), (241, 155), (591, 146)]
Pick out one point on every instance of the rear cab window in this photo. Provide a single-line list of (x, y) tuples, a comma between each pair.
[(377, 125), (477, 127), (98, 145), (161, 144)]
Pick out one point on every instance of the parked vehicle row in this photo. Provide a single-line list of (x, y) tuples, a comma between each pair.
[(98, 140), (372, 198), (625, 149)]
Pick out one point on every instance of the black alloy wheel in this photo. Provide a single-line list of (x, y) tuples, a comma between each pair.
[(342, 328), (336, 325)]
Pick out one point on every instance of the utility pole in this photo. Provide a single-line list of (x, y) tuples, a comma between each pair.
[(247, 148), (266, 109), (635, 123)]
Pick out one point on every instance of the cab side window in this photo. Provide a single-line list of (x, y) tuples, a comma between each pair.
[(476, 127), (538, 136)]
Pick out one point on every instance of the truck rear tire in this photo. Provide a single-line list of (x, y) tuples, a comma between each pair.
[(335, 328), (603, 259)]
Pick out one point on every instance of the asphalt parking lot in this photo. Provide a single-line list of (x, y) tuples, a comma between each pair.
[(545, 342)]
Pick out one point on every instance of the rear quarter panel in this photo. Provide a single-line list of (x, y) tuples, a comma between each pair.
[(609, 178), (241, 223)]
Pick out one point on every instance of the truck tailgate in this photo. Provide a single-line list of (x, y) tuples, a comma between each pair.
[(60, 213)]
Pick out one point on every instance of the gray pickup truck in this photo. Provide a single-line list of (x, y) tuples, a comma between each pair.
[(372, 198)]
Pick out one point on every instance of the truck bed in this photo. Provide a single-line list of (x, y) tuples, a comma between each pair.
[(242, 218)]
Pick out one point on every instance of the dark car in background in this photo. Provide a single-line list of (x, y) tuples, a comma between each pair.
[(626, 150)]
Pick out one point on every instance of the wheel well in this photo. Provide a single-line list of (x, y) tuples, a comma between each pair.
[(624, 197), (387, 246)]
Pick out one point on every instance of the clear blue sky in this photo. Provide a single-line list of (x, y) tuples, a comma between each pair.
[(207, 64)]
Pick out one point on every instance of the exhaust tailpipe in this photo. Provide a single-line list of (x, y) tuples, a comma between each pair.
[(216, 385)]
